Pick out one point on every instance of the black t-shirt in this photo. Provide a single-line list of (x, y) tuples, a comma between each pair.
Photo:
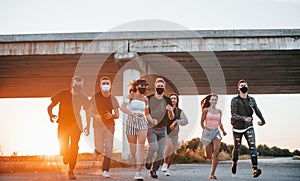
[(177, 113), (70, 106), (104, 105), (157, 110)]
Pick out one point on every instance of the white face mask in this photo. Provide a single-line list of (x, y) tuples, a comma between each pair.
[(105, 88)]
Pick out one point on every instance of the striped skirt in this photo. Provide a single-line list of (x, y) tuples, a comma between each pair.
[(135, 124)]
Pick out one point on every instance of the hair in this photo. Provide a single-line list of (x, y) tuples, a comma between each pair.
[(241, 81), (105, 78), (159, 79), (205, 102), (174, 94), (77, 78), (134, 83)]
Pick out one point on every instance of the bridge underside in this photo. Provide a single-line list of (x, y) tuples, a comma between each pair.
[(267, 72)]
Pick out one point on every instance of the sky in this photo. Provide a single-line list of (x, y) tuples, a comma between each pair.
[(24, 124)]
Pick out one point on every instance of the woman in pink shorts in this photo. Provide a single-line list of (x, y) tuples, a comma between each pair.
[(211, 137)]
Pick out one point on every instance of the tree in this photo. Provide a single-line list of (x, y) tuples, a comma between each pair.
[(296, 152)]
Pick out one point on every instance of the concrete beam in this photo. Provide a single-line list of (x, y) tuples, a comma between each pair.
[(148, 42)]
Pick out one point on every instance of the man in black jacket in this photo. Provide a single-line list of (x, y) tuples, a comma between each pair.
[(242, 107)]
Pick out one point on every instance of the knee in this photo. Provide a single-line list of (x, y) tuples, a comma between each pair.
[(153, 147)]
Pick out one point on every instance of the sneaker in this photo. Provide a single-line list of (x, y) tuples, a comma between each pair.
[(138, 176), (148, 164), (105, 174), (71, 175), (153, 174), (167, 173), (164, 168), (256, 172), (233, 168)]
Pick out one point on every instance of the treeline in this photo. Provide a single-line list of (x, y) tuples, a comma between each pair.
[(263, 150)]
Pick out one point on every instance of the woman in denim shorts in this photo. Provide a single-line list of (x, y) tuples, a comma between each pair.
[(211, 136)]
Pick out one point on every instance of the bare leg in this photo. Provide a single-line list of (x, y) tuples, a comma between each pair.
[(132, 139), (208, 149), (168, 150), (215, 158), (141, 138)]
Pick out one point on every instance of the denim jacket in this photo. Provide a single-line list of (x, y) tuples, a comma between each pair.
[(238, 121)]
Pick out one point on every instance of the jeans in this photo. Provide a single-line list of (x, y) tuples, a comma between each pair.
[(157, 143), (104, 138), (68, 136), (250, 137)]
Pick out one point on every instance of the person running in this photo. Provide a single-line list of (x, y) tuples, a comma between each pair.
[(136, 125), (172, 132), (242, 107), (70, 101), (106, 109), (211, 137), (158, 114)]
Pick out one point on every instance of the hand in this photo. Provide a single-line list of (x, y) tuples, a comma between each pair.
[(172, 126), (108, 115), (248, 119), (137, 115), (154, 121), (53, 118), (86, 131), (169, 107), (260, 123), (224, 133), (206, 132)]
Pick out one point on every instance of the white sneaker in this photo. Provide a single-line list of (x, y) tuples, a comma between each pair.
[(105, 174), (164, 168), (138, 176), (167, 173)]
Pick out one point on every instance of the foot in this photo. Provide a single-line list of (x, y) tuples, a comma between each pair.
[(164, 168), (71, 175), (256, 172), (138, 176), (105, 174), (213, 177), (148, 164), (153, 174), (167, 173), (233, 168)]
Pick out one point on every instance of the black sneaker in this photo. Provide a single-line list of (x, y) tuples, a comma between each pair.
[(71, 175), (153, 174), (233, 168), (148, 164), (256, 172)]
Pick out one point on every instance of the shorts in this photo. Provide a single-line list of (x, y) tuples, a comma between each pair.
[(213, 133), (135, 124)]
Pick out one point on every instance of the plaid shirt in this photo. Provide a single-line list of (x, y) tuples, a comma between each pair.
[(238, 121)]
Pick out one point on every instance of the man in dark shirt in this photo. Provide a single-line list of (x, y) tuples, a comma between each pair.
[(159, 113), (242, 107), (69, 121), (105, 110)]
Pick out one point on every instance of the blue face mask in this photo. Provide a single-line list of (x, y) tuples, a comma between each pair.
[(105, 88)]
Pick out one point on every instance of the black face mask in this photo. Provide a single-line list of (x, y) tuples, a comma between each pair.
[(142, 90), (244, 89), (77, 88), (160, 90)]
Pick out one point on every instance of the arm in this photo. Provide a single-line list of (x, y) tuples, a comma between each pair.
[(171, 115), (203, 118), (259, 114), (148, 115), (124, 107), (221, 125), (182, 121), (49, 109)]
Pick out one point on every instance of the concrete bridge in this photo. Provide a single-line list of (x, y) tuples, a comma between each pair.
[(193, 62)]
